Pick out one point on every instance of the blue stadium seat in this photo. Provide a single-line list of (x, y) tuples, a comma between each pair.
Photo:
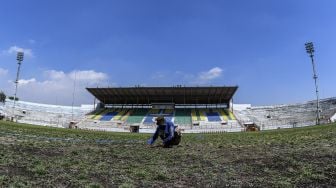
[(108, 116), (213, 116), (149, 119)]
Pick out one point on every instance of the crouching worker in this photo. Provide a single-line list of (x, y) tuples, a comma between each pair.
[(166, 131)]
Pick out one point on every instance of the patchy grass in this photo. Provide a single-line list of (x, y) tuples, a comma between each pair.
[(35, 156)]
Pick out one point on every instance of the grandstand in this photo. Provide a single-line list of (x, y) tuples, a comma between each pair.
[(44, 114), (193, 109), (287, 116)]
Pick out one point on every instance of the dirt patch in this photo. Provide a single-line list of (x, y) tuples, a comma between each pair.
[(7, 140), (41, 152), (12, 171)]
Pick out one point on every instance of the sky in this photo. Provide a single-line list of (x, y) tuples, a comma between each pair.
[(255, 45)]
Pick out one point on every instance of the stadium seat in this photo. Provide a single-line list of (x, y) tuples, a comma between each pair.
[(213, 116), (108, 116), (137, 116), (183, 117)]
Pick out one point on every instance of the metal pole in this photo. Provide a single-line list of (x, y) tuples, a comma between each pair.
[(19, 58), (310, 51), (73, 98), (317, 92)]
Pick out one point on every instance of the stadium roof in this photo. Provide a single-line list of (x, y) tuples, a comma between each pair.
[(177, 95)]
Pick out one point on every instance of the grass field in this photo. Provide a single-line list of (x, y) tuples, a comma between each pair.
[(34, 156)]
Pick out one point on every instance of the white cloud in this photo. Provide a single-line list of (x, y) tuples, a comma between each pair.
[(88, 76), (3, 72), (26, 82), (55, 75), (211, 74), (205, 77), (57, 87), (179, 77), (14, 49)]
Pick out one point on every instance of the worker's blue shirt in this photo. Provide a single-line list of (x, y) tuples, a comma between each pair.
[(166, 132)]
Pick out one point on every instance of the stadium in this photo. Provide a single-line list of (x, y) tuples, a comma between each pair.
[(167, 94), (99, 151), (106, 144), (91, 145), (192, 109)]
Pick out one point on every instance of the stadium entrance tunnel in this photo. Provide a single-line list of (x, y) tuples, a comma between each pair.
[(134, 128)]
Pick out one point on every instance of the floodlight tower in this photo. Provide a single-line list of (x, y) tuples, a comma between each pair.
[(310, 51), (19, 58)]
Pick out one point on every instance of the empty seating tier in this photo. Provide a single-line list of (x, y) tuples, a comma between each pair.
[(108, 116), (182, 116), (137, 115)]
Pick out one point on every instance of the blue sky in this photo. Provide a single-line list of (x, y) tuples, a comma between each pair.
[(257, 45)]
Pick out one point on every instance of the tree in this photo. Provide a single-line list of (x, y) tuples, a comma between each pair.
[(12, 98), (2, 97)]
